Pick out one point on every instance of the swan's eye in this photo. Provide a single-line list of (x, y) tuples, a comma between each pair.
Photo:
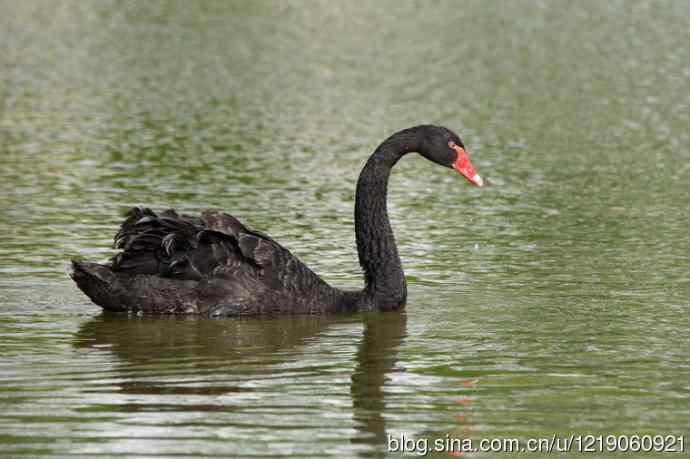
[(451, 144)]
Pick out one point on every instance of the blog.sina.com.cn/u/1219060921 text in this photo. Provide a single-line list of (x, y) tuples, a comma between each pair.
[(587, 443)]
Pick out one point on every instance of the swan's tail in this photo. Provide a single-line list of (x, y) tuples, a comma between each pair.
[(98, 282), (120, 292)]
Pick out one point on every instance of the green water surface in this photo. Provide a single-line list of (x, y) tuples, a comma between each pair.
[(553, 301)]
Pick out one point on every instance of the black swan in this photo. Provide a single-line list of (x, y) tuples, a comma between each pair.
[(215, 265)]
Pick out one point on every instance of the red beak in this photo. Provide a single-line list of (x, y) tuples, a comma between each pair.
[(464, 167)]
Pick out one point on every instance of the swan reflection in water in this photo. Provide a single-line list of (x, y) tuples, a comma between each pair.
[(224, 369)]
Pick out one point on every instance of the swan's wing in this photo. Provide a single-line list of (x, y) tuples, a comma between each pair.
[(185, 247), (225, 223), (150, 242), (264, 277), (253, 244)]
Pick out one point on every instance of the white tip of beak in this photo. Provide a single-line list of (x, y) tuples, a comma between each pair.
[(477, 179)]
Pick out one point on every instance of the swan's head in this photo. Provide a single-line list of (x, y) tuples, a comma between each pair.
[(444, 147)]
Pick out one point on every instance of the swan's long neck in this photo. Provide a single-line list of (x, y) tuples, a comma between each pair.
[(378, 254)]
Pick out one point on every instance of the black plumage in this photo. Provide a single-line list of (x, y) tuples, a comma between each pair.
[(215, 265)]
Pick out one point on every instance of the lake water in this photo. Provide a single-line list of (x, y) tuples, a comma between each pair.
[(553, 301)]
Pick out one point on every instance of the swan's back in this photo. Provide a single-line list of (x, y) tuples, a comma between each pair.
[(212, 265)]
